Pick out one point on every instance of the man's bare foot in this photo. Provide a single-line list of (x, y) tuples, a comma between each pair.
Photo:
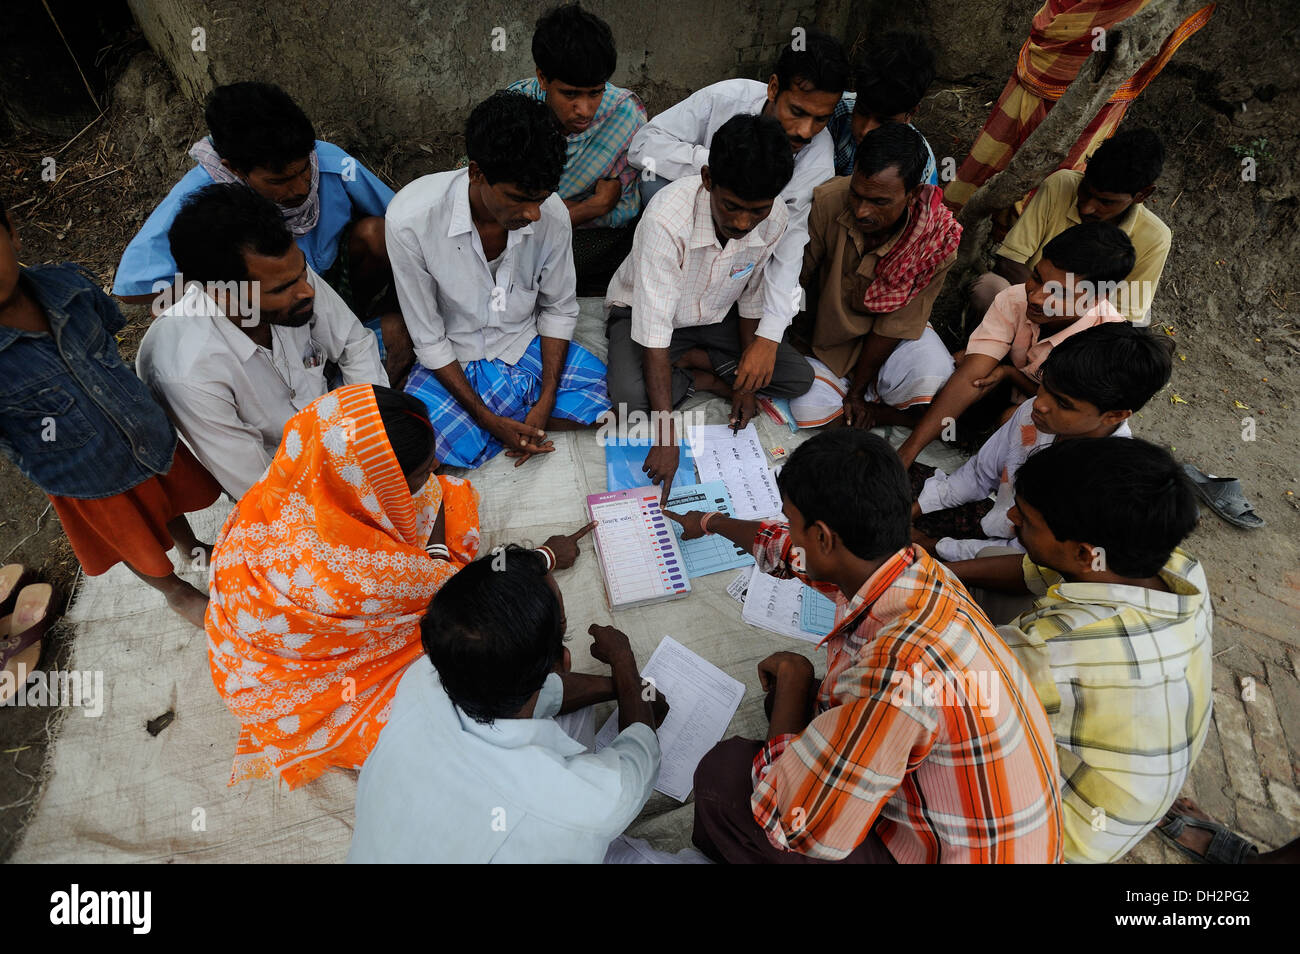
[(708, 381), (694, 359), (188, 602)]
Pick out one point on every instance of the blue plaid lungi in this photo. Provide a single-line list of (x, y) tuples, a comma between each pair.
[(509, 390)]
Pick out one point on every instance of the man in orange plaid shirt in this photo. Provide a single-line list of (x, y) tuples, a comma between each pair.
[(925, 742)]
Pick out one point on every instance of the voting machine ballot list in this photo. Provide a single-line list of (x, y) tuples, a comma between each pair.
[(639, 554)]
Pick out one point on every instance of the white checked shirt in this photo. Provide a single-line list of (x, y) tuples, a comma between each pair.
[(994, 468), (230, 397), (454, 308), (679, 274), (1124, 673), (676, 143)]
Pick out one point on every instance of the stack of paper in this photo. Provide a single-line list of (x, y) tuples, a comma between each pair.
[(789, 607), (738, 460)]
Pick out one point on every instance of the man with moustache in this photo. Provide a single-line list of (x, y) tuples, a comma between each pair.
[(880, 243), (805, 87), (245, 347)]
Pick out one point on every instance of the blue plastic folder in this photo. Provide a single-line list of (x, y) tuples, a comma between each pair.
[(816, 612), (623, 462), (713, 553)]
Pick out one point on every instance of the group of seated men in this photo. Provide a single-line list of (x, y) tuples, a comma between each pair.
[(784, 240)]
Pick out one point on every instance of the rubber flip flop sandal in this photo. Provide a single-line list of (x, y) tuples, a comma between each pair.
[(13, 577), (1225, 497), (1225, 848)]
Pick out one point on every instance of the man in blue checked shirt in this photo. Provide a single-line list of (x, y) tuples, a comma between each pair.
[(575, 57), (891, 77)]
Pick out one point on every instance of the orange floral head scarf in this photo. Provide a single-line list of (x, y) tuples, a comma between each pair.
[(319, 582)]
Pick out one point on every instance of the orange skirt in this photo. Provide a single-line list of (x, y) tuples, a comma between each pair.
[(131, 527)]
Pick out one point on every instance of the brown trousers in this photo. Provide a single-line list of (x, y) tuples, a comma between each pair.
[(725, 829)]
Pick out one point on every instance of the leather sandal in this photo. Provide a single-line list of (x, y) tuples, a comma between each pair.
[(21, 634)]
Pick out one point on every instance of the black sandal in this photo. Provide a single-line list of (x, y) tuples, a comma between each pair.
[(1225, 497), (1226, 847)]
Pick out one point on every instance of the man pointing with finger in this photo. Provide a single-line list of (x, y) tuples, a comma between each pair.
[(687, 304)]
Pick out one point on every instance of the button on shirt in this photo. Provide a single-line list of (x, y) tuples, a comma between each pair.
[(440, 787), (679, 274), (1006, 328), (454, 308), (231, 398), (676, 143)]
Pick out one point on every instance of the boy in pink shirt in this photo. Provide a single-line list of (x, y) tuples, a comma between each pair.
[(1067, 292)]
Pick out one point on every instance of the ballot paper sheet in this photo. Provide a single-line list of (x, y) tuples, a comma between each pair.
[(737, 459), (701, 701), (789, 607)]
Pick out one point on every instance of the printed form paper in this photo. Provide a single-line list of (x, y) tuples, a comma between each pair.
[(738, 460), (713, 552), (778, 606), (701, 701)]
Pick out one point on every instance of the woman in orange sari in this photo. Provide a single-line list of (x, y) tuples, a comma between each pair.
[(320, 578)]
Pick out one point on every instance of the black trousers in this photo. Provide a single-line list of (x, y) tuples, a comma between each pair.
[(791, 376)]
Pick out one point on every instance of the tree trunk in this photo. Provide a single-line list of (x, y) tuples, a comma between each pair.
[(1129, 44)]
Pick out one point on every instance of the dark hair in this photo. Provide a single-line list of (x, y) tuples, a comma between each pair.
[(4, 215), (1114, 366), (892, 74), (515, 138), (1119, 493), (821, 63), (494, 631), (1126, 163), (895, 145), (855, 483), (750, 155), (1095, 251), (219, 223), (574, 46), (257, 125), (407, 426)]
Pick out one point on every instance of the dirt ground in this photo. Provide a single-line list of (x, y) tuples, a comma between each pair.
[(1230, 298)]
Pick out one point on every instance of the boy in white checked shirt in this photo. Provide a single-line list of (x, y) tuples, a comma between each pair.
[(1118, 642), (688, 301)]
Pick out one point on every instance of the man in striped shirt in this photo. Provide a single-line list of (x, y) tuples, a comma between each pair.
[(1118, 642), (924, 742)]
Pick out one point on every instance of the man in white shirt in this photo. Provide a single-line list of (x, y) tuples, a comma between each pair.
[(802, 93), (246, 346), (473, 766), (687, 304), (483, 265), (1093, 382)]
